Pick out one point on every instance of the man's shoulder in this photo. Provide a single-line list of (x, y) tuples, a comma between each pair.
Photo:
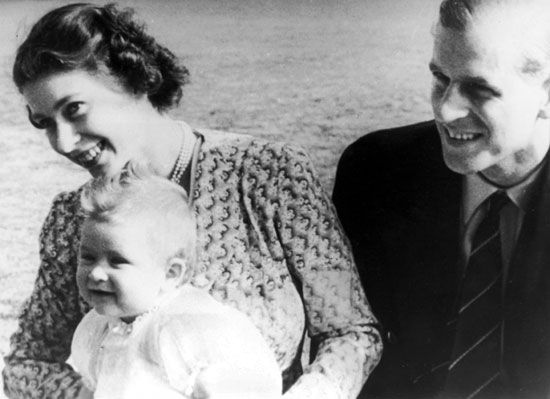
[(409, 137), (413, 146)]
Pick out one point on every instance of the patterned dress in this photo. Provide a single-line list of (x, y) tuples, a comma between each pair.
[(269, 244)]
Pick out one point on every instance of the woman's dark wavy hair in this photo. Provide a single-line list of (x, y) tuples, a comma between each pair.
[(91, 37)]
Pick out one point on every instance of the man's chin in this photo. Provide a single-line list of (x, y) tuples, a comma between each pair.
[(462, 165)]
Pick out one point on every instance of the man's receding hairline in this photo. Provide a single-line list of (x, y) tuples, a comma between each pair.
[(459, 14), (482, 11)]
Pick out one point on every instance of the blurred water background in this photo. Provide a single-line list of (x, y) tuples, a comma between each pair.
[(316, 73)]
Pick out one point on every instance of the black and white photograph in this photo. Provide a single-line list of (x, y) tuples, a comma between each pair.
[(286, 199)]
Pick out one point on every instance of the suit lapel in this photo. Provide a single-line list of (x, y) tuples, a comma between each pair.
[(429, 266), (440, 218), (532, 251), (527, 300)]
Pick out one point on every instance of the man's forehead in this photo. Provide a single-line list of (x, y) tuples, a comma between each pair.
[(498, 37), (497, 17), (468, 51)]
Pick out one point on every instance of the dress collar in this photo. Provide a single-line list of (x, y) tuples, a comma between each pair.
[(120, 327)]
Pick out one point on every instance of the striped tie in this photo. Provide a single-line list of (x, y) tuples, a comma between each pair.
[(475, 370)]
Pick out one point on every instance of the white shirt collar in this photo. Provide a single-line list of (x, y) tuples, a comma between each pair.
[(477, 190)]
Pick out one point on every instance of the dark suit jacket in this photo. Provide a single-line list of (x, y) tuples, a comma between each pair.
[(400, 206)]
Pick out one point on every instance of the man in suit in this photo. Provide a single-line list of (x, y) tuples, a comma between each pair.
[(464, 316)]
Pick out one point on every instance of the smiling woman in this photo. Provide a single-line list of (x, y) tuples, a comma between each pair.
[(97, 124), (268, 240)]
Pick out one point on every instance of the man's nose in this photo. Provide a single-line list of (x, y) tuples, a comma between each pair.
[(452, 105), (64, 137)]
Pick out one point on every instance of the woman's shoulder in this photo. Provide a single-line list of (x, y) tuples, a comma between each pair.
[(247, 147), (214, 137), (67, 200), (63, 219)]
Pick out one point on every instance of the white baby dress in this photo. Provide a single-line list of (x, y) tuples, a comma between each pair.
[(169, 351)]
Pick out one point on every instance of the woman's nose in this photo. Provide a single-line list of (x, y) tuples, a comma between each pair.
[(64, 137)]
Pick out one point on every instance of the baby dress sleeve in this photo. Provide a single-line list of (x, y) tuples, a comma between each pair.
[(86, 345), (177, 355), (213, 356)]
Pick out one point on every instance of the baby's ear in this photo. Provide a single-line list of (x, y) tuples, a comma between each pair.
[(176, 271)]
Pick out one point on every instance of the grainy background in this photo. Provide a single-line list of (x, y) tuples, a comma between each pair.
[(317, 73)]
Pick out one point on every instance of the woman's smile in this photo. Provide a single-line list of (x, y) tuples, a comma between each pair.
[(91, 120), (90, 157)]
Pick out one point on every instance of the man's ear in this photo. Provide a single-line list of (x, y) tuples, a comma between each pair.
[(544, 111), (176, 271)]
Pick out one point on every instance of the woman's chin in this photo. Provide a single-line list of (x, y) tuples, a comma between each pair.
[(104, 169)]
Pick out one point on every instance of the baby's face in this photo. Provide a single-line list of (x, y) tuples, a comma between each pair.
[(118, 271)]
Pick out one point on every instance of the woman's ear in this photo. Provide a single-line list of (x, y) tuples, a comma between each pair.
[(176, 271)]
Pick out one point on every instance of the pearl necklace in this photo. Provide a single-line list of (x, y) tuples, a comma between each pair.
[(184, 156)]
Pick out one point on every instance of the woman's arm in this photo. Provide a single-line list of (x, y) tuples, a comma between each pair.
[(35, 366), (340, 322)]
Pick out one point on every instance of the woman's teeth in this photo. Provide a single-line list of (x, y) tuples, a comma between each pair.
[(92, 155)]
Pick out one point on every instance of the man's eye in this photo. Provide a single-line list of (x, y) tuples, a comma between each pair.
[(479, 91)]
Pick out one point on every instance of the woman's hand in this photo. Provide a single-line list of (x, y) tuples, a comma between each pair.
[(85, 393)]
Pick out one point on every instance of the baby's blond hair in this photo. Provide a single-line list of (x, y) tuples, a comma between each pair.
[(137, 193)]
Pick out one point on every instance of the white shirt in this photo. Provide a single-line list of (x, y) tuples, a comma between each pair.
[(476, 191)]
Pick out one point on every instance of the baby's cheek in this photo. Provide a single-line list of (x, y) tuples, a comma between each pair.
[(81, 277)]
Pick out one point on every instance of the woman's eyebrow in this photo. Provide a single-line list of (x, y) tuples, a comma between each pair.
[(58, 104)]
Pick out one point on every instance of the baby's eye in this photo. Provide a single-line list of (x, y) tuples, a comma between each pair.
[(117, 261), (86, 258)]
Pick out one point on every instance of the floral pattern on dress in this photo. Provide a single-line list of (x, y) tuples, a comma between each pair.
[(268, 243)]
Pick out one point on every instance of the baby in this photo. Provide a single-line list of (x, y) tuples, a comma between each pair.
[(151, 334)]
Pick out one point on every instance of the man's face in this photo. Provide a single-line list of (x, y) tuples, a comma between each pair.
[(487, 111)]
